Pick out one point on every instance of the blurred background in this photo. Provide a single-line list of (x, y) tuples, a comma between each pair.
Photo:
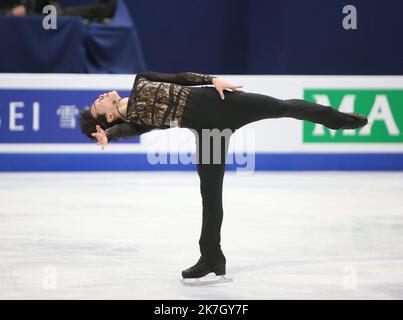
[(347, 54), (56, 56), (219, 37)]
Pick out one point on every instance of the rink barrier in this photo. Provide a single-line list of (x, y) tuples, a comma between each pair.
[(39, 125), (11, 162)]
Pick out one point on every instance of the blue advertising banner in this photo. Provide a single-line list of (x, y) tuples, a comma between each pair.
[(45, 116), (39, 127)]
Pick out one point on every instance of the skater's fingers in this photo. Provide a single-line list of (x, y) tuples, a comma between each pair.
[(96, 136), (103, 144), (221, 93)]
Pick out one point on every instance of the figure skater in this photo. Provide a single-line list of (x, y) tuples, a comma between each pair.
[(157, 100)]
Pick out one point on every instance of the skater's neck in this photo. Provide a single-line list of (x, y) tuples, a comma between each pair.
[(121, 108)]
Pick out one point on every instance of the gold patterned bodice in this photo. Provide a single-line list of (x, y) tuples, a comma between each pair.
[(158, 100)]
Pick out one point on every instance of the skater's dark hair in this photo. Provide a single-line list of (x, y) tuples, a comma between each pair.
[(88, 123)]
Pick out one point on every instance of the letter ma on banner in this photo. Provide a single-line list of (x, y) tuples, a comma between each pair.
[(383, 108)]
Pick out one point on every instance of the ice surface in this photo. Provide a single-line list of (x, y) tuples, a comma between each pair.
[(128, 235)]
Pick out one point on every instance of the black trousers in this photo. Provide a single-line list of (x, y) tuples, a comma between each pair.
[(236, 110)]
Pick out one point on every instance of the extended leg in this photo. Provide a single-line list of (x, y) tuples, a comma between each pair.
[(241, 108)]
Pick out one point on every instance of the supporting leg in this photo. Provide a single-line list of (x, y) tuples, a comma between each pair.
[(211, 183), (211, 176)]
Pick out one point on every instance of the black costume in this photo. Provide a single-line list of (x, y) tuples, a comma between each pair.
[(159, 99)]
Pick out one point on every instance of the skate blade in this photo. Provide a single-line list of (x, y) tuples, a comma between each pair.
[(206, 280)]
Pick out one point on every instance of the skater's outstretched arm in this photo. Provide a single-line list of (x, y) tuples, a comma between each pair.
[(190, 79), (183, 78), (123, 130)]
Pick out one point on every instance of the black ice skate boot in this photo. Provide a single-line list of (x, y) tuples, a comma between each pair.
[(357, 121), (194, 274), (200, 269)]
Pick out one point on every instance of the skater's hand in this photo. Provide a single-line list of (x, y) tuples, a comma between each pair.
[(101, 137), (221, 84)]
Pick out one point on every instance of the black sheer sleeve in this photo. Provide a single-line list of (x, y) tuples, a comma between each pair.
[(123, 130), (183, 78)]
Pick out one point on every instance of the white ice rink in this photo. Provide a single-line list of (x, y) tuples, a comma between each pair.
[(286, 235)]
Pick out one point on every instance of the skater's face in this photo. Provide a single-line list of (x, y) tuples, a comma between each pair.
[(105, 104)]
